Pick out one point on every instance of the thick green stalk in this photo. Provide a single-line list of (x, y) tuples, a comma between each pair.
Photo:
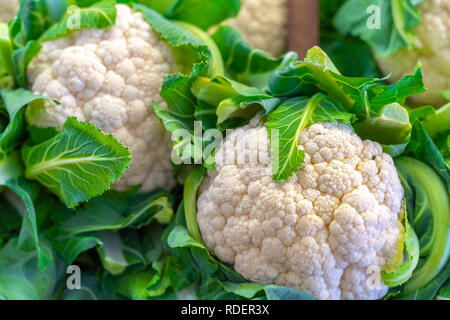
[(425, 180)]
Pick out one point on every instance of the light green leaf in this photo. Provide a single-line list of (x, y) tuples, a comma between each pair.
[(370, 101), (100, 15), (407, 86), (15, 101), (317, 72), (192, 55), (286, 123), (191, 186), (390, 126), (79, 163), (230, 99), (244, 63), (180, 238), (404, 271), (216, 67), (6, 64), (438, 123)]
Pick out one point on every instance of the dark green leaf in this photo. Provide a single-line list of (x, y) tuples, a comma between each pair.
[(20, 278), (386, 26), (191, 53), (431, 289), (37, 15), (423, 148), (79, 230), (282, 293), (351, 56), (204, 13), (429, 212)]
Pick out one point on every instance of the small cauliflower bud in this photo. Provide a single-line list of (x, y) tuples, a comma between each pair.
[(109, 78), (329, 229), (432, 49), (263, 24)]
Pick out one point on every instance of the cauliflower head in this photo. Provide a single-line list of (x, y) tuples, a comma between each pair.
[(263, 24), (8, 9), (328, 230), (109, 78), (432, 49)]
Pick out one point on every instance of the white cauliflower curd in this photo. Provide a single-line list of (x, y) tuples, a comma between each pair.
[(433, 50), (328, 230), (8, 9), (109, 78), (263, 24)]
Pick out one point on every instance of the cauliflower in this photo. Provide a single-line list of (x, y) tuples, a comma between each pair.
[(263, 23), (8, 9), (328, 230), (433, 50), (109, 78)]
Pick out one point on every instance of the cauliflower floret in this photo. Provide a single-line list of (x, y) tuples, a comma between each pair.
[(8, 10), (263, 23), (109, 78), (433, 50), (328, 230)]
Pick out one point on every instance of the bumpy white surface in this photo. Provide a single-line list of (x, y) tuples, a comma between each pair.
[(433, 50), (327, 230), (109, 78), (263, 24), (8, 9)]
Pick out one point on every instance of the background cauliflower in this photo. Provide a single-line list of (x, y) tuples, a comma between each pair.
[(109, 78), (263, 24), (432, 49), (328, 230), (8, 9)]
